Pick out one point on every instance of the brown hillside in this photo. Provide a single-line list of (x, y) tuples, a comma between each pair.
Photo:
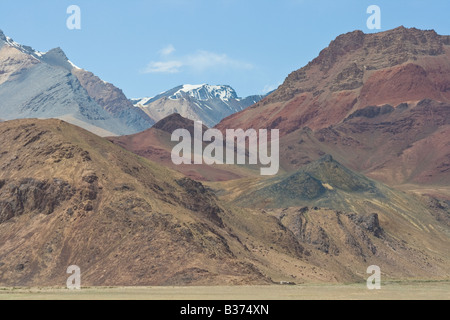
[(69, 197), (356, 70), (379, 103), (155, 144)]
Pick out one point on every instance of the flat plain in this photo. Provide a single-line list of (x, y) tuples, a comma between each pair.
[(415, 290)]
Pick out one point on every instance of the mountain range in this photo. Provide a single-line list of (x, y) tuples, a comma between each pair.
[(378, 103), (47, 85), (70, 197), (156, 145), (364, 151), (206, 103)]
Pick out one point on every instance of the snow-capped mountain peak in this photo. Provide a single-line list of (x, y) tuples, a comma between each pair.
[(48, 85), (5, 40), (55, 56), (205, 92), (204, 102), (73, 65)]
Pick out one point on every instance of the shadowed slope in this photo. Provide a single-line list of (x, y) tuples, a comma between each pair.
[(69, 197)]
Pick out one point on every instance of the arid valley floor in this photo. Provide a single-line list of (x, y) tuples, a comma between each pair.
[(415, 290)]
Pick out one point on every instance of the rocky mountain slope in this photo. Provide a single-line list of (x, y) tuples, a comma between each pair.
[(47, 85), (70, 197), (323, 183), (378, 103), (206, 103), (369, 107), (408, 144), (348, 217), (357, 70), (155, 144)]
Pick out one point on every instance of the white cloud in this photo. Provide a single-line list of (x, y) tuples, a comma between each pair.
[(163, 67), (167, 50), (269, 88), (203, 60), (198, 62)]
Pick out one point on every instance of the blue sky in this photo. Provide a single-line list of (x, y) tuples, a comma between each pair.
[(148, 46)]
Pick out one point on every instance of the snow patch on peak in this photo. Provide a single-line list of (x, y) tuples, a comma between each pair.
[(140, 101), (224, 93), (12, 43), (190, 87), (205, 102), (73, 65), (24, 49), (205, 92)]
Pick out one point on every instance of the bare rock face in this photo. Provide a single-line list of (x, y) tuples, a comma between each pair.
[(440, 209), (30, 195), (336, 233), (341, 46), (378, 103), (371, 112), (356, 70), (368, 222), (201, 200), (350, 78), (406, 143), (113, 100), (385, 49), (2, 36), (174, 122)]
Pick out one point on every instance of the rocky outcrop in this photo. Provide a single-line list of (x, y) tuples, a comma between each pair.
[(387, 48), (334, 232), (174, 122), (30, 195), (368, 222), (372, 112), (114, 101), (200, 200)]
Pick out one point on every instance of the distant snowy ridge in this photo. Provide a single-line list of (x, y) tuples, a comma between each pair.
[(43, 85), (25, 49), (204, 102), (206, 92), (200, 92)]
